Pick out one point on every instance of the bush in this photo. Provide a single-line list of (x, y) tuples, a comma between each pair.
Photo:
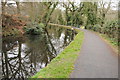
[(111, 29), (89, 26), (97, 27), (10, 32), (34, 29), (41, 25)]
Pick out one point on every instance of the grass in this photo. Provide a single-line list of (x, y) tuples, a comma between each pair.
[(111, 42), (63, 64)]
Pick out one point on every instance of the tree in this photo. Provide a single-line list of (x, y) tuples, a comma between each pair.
[(3, 7), (89, 12), (73, 13), (18, 7), (49, 12), (104, 7)]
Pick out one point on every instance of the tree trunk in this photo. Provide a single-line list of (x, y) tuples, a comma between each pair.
[(3, 7), (18, 8)]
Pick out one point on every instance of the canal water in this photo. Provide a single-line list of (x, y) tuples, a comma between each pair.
[(24, 56)]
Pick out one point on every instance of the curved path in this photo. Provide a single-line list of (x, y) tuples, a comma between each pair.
[(96, 59)]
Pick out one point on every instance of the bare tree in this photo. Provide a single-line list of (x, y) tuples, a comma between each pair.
[(104, 7), (18, 7), (3, 7)]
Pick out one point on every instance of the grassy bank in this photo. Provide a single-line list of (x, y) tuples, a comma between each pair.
[(110, 41), (63, 64)]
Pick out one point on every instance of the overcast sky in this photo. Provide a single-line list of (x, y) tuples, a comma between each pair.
[(61, 0), (115, 2)]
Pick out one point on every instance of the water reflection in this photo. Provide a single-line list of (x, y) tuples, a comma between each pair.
[(23, 56)]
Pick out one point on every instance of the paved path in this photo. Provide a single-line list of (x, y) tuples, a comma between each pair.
[(96, 59)]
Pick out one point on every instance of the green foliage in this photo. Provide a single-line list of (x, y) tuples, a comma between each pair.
[(89, 26), (111, 29), (62, 65), (110, 40), (75, 19), (91, 18), (96, 23), (34, 29), (89, 10), (61, 20), (96, 27), (41, 25)]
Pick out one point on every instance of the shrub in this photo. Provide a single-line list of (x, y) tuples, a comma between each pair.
[(41, 25), (89, 26), (97, 27), (10, 32), (34, 29), (111, 29)]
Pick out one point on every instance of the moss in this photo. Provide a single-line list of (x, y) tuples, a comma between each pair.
[(63, 64)]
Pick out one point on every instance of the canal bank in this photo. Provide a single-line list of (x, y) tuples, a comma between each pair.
[(63, 64), (26, 55)]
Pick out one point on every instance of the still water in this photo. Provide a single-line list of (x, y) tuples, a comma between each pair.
[(24, 56)]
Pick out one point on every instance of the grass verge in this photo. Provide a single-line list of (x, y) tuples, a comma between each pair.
[(110, 41), (63, 64)]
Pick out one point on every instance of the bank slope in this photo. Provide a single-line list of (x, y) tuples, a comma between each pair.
[(63, 64)]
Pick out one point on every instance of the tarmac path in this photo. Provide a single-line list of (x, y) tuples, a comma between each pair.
[(96, 60)]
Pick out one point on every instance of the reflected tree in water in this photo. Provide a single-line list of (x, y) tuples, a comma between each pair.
[(22, 57)]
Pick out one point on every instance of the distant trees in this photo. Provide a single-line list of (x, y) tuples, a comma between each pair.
[(18, 7), (73, 13), (30, 12), (36, 11), (90, 14), (104, 7), (3, 7), (93, 16), (57, 17), (49, 12), (96, 13)]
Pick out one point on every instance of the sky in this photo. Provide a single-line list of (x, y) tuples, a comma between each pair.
[(115, 2), (62, 0)]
